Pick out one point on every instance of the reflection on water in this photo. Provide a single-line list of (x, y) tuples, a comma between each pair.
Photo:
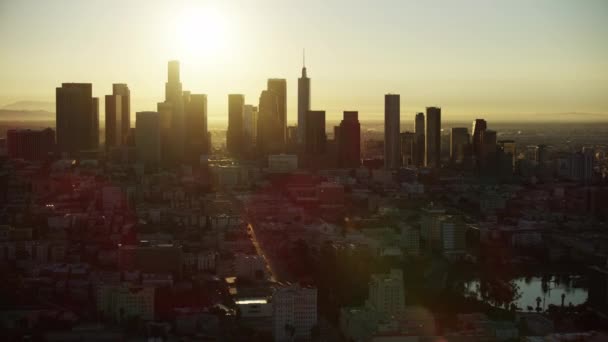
[(525, 292)]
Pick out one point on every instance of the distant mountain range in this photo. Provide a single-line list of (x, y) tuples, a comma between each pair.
[(31, 106)]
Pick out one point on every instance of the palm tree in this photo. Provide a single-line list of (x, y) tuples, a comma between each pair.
[(538, 300), (563, 298)]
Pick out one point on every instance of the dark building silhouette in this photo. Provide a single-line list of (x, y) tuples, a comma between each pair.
[(114, 117), (479, 127), (77, 118), (122, 90), (197, 133), (408, 148), (279, 87), (147, 138), (316, 137), (303, 104), (459, 140), (433, 137), (392, 121), (348, 138), (269, 125), (235, 132), (419, 142), (33, 145)]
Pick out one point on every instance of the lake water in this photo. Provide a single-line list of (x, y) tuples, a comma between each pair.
[(531, 288)]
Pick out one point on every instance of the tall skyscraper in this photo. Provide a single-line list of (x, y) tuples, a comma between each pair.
[(479, 127), (147, 138), (433, 137), (250, 124), (509, 148), (316, 137), (459, 139), (269, 125), (279, 87), (175, 96), (349, 140), (235, 132), (197, 133), (408, 148), (77, 118), (114, 128), (392, 122), (419, 143), (123, 91), (303, 104)]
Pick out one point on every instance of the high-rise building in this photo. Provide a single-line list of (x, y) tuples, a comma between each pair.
[(77, 118), (488, 148), (175, 96), (123, 91), (419, 148), (125, 302), (294, 312), (197, 133), (147, 138), (386, 292), (279, 87), (34, 145), (509, 148), (269, 125), (250, 124), (479, 127), (408, 148), (349, 140), (235, 132), (114, 128), (459, 140), (303, 104), (392, 122), (316, 137), (433, 137), (453, 236)]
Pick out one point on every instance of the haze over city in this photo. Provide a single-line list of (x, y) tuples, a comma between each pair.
[(503, 60), (349, 171)]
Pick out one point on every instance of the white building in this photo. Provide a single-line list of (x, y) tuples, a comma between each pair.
[(453, 236), (430, 224), (123, 301), (386, 292), (294, 312), (282, 163)]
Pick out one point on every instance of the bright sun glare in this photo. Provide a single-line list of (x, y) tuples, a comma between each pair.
[(201, 33)]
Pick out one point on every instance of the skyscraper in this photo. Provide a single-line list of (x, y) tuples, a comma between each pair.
[(77, 118), (197, 134), (349, 140), (316, 137), (392, 153), (250, 124), (479, 127), (433, 137), (147, 138), (269, 125), (419, 143), (408, 148), (175, 96), (279, 87), (234, 135), (113, 121), (303, 104), (459, 139), (123, 91)]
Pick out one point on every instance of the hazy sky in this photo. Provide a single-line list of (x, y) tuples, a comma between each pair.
[(474, 58)]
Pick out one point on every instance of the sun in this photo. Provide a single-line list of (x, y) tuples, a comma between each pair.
[(201, 33)]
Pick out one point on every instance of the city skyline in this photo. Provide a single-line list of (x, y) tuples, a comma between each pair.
[(491, 60)]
